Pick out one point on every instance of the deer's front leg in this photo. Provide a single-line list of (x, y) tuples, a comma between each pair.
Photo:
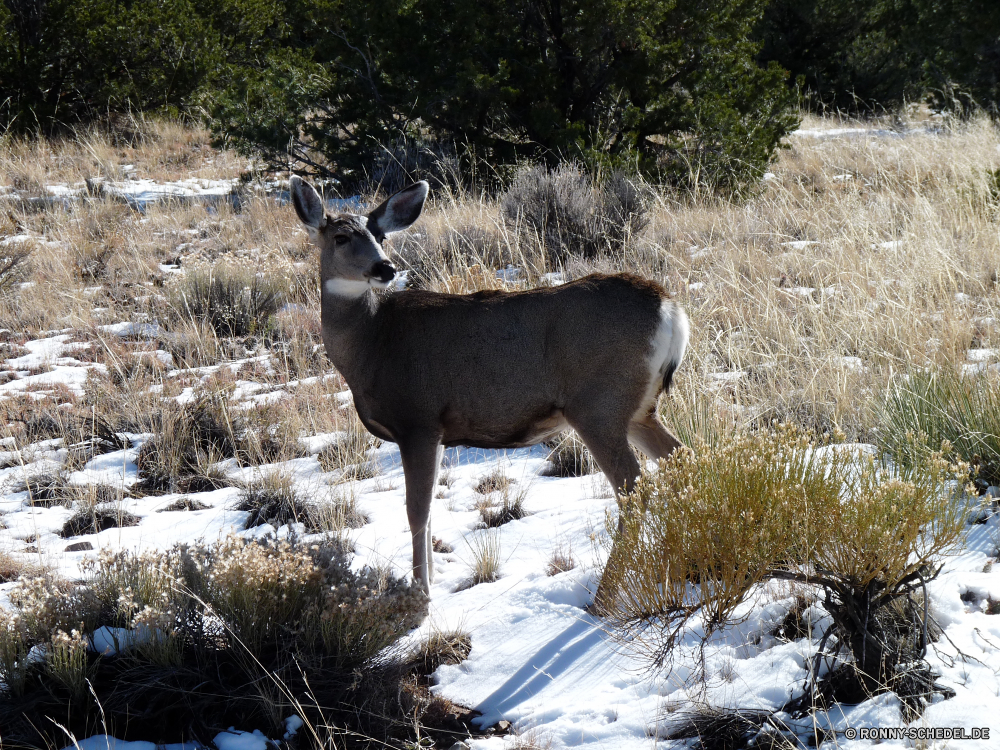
[(421, 455)]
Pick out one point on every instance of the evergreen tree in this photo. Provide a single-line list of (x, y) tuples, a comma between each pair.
[(670, 86)]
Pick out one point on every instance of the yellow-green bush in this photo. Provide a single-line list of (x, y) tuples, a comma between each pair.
[(709, 525)]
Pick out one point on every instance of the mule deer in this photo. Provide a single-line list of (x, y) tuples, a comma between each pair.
[(491, 369)]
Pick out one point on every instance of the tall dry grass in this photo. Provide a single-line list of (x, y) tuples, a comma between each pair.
[(860, 256)]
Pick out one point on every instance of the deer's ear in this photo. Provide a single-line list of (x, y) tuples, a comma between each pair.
[(308, 204), (399, 211)]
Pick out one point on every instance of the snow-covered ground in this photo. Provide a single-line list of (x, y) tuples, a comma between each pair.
[(538, 659)]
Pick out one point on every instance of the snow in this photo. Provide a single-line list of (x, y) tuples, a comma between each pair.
[(104, 742), (539, 660), (237, 740), (137, 330)]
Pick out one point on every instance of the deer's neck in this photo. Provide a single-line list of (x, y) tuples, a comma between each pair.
[(349, 332)]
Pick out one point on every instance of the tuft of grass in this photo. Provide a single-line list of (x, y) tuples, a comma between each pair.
[(191, 437), (234, 301), (510, 507), (570, 458), (272, 498), (348, 454), (496, 481), (93, 520), (340, 512), (12, 568), (440, 647), (486, 559), (944, 408), (185, 503), (560, 561), (47, 490)]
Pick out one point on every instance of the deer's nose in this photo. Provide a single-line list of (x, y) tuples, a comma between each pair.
[(383, 271)]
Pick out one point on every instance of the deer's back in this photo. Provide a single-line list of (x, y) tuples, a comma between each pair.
[(508, 363)]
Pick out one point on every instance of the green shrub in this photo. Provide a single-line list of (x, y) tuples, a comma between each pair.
[(936, 407), (63, 62), (671, 88), (852, 56), (775, 505)]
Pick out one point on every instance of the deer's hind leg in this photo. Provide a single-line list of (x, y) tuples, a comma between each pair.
[(648, 435), (608, 444), (421, 456)]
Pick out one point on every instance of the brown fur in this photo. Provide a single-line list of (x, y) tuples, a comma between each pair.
[(491, 369)]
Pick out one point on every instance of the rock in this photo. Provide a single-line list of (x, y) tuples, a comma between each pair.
[(79, 547), (503, 726)]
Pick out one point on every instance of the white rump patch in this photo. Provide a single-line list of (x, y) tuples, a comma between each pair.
[(346, 287), (667, 346)]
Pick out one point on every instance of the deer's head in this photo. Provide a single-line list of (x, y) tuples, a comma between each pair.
[(352, 260)]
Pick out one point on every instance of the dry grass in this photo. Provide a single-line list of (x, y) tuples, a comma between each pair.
[(860, 259), (347, 456), (560, 560), (501, 505), (812, 333), (440, 647), (486, 564), (570, 457), (806, 332)]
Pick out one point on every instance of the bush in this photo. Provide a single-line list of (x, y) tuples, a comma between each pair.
[(940, 407), (64, 62), (856, 56), (233, 301), (570, 216), (208, 637), (670, 88), (775, 505)]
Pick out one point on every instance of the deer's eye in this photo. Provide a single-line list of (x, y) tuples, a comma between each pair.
[(341, 239)]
